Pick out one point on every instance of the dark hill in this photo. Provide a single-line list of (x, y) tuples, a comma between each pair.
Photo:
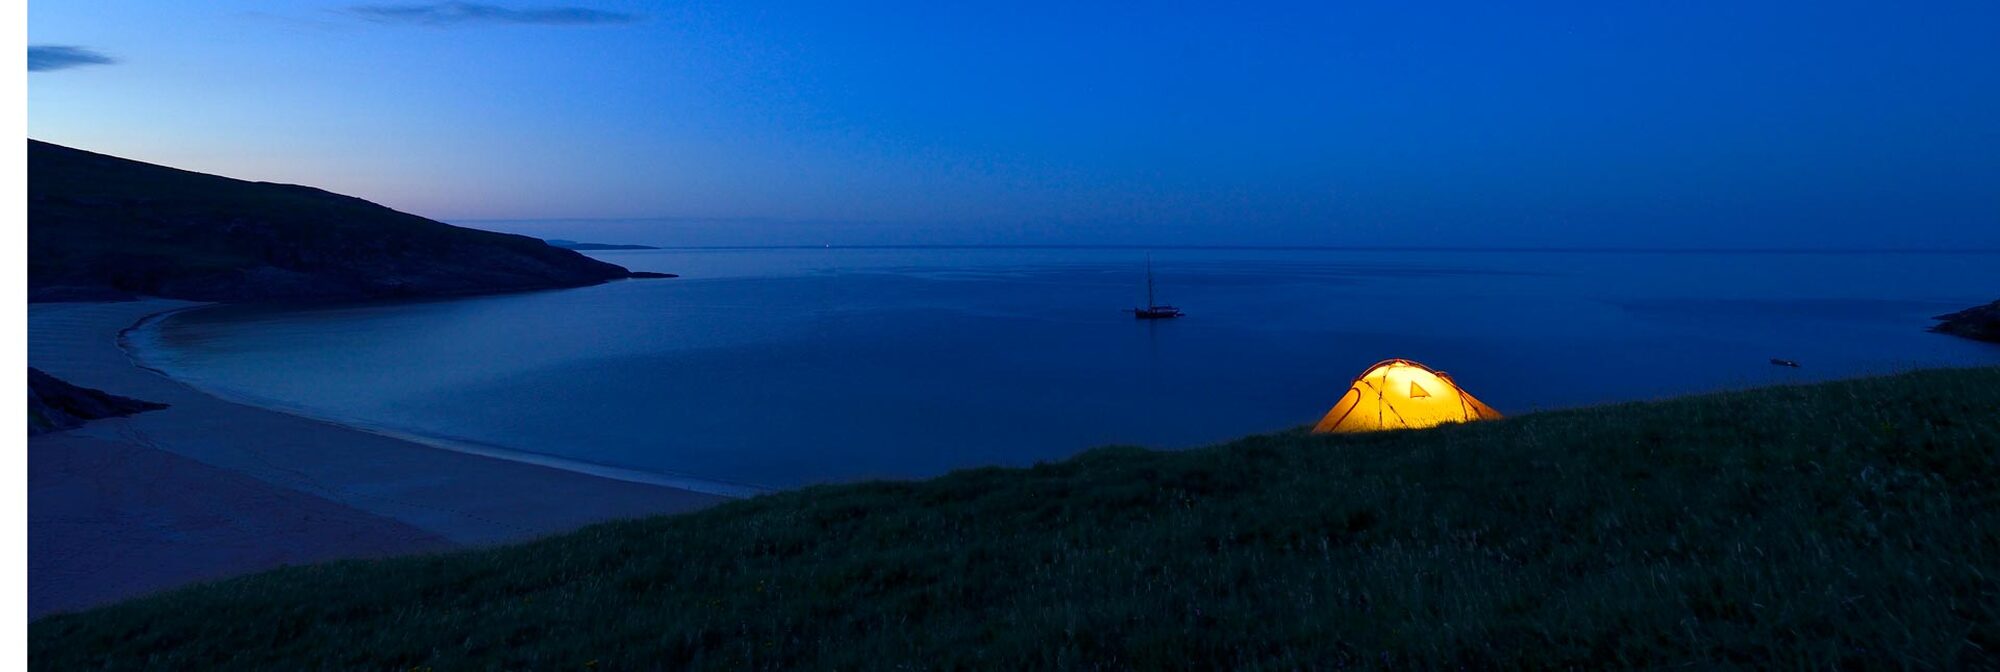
[(55, 405), (100, 226), (1978, 323)]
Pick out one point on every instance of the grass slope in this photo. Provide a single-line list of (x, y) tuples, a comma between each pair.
[(1849, 523)]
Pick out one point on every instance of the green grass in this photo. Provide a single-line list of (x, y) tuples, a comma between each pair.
[(1843, 524)]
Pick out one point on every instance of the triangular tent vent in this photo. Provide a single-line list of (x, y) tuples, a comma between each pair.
[(1401, 394)]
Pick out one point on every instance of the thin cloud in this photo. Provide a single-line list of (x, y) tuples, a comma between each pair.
[(57, 57), (470, 13)]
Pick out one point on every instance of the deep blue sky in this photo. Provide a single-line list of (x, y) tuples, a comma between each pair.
[(1809, 124)]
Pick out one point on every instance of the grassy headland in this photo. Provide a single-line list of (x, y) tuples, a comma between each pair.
[(101, 227), (1980, 323), (1845, 523)]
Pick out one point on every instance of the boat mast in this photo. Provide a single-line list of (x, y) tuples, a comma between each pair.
[(1149, 282)]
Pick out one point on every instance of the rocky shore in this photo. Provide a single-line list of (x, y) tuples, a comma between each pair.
[(1980, 323), (55, 405)]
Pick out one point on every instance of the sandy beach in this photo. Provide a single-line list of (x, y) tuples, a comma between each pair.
[(208, 489)]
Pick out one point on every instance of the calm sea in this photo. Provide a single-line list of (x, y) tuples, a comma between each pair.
[(781, 367)]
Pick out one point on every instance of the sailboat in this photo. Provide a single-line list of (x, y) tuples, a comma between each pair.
[(1154, 311)]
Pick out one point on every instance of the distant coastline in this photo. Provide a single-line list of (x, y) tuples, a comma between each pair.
[(589, 247), (1357, 248)]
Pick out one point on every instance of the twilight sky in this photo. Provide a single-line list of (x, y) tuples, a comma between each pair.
[(1723, 124)]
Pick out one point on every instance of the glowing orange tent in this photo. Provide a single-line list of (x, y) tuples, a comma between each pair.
[(1401, 394)]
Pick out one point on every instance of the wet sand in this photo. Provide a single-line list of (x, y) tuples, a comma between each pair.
[(208, 488)]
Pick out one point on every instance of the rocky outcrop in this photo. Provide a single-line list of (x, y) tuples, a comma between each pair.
[(102, 227), (1978, 323), (56, 405)]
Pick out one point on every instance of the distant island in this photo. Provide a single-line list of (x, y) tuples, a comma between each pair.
[(106, 228), (573, 245), (1981, 323)]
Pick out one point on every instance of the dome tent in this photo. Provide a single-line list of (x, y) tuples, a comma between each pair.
[(1401, 394)]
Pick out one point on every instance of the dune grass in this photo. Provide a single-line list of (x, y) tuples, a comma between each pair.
[(1840, 524)]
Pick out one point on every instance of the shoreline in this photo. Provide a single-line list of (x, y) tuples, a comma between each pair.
[(137, 354), (208, 488)]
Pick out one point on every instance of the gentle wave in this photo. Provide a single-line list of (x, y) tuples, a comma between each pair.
[(141, 344)]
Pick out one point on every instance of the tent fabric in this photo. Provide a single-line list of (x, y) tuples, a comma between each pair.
[(1401, 394)]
